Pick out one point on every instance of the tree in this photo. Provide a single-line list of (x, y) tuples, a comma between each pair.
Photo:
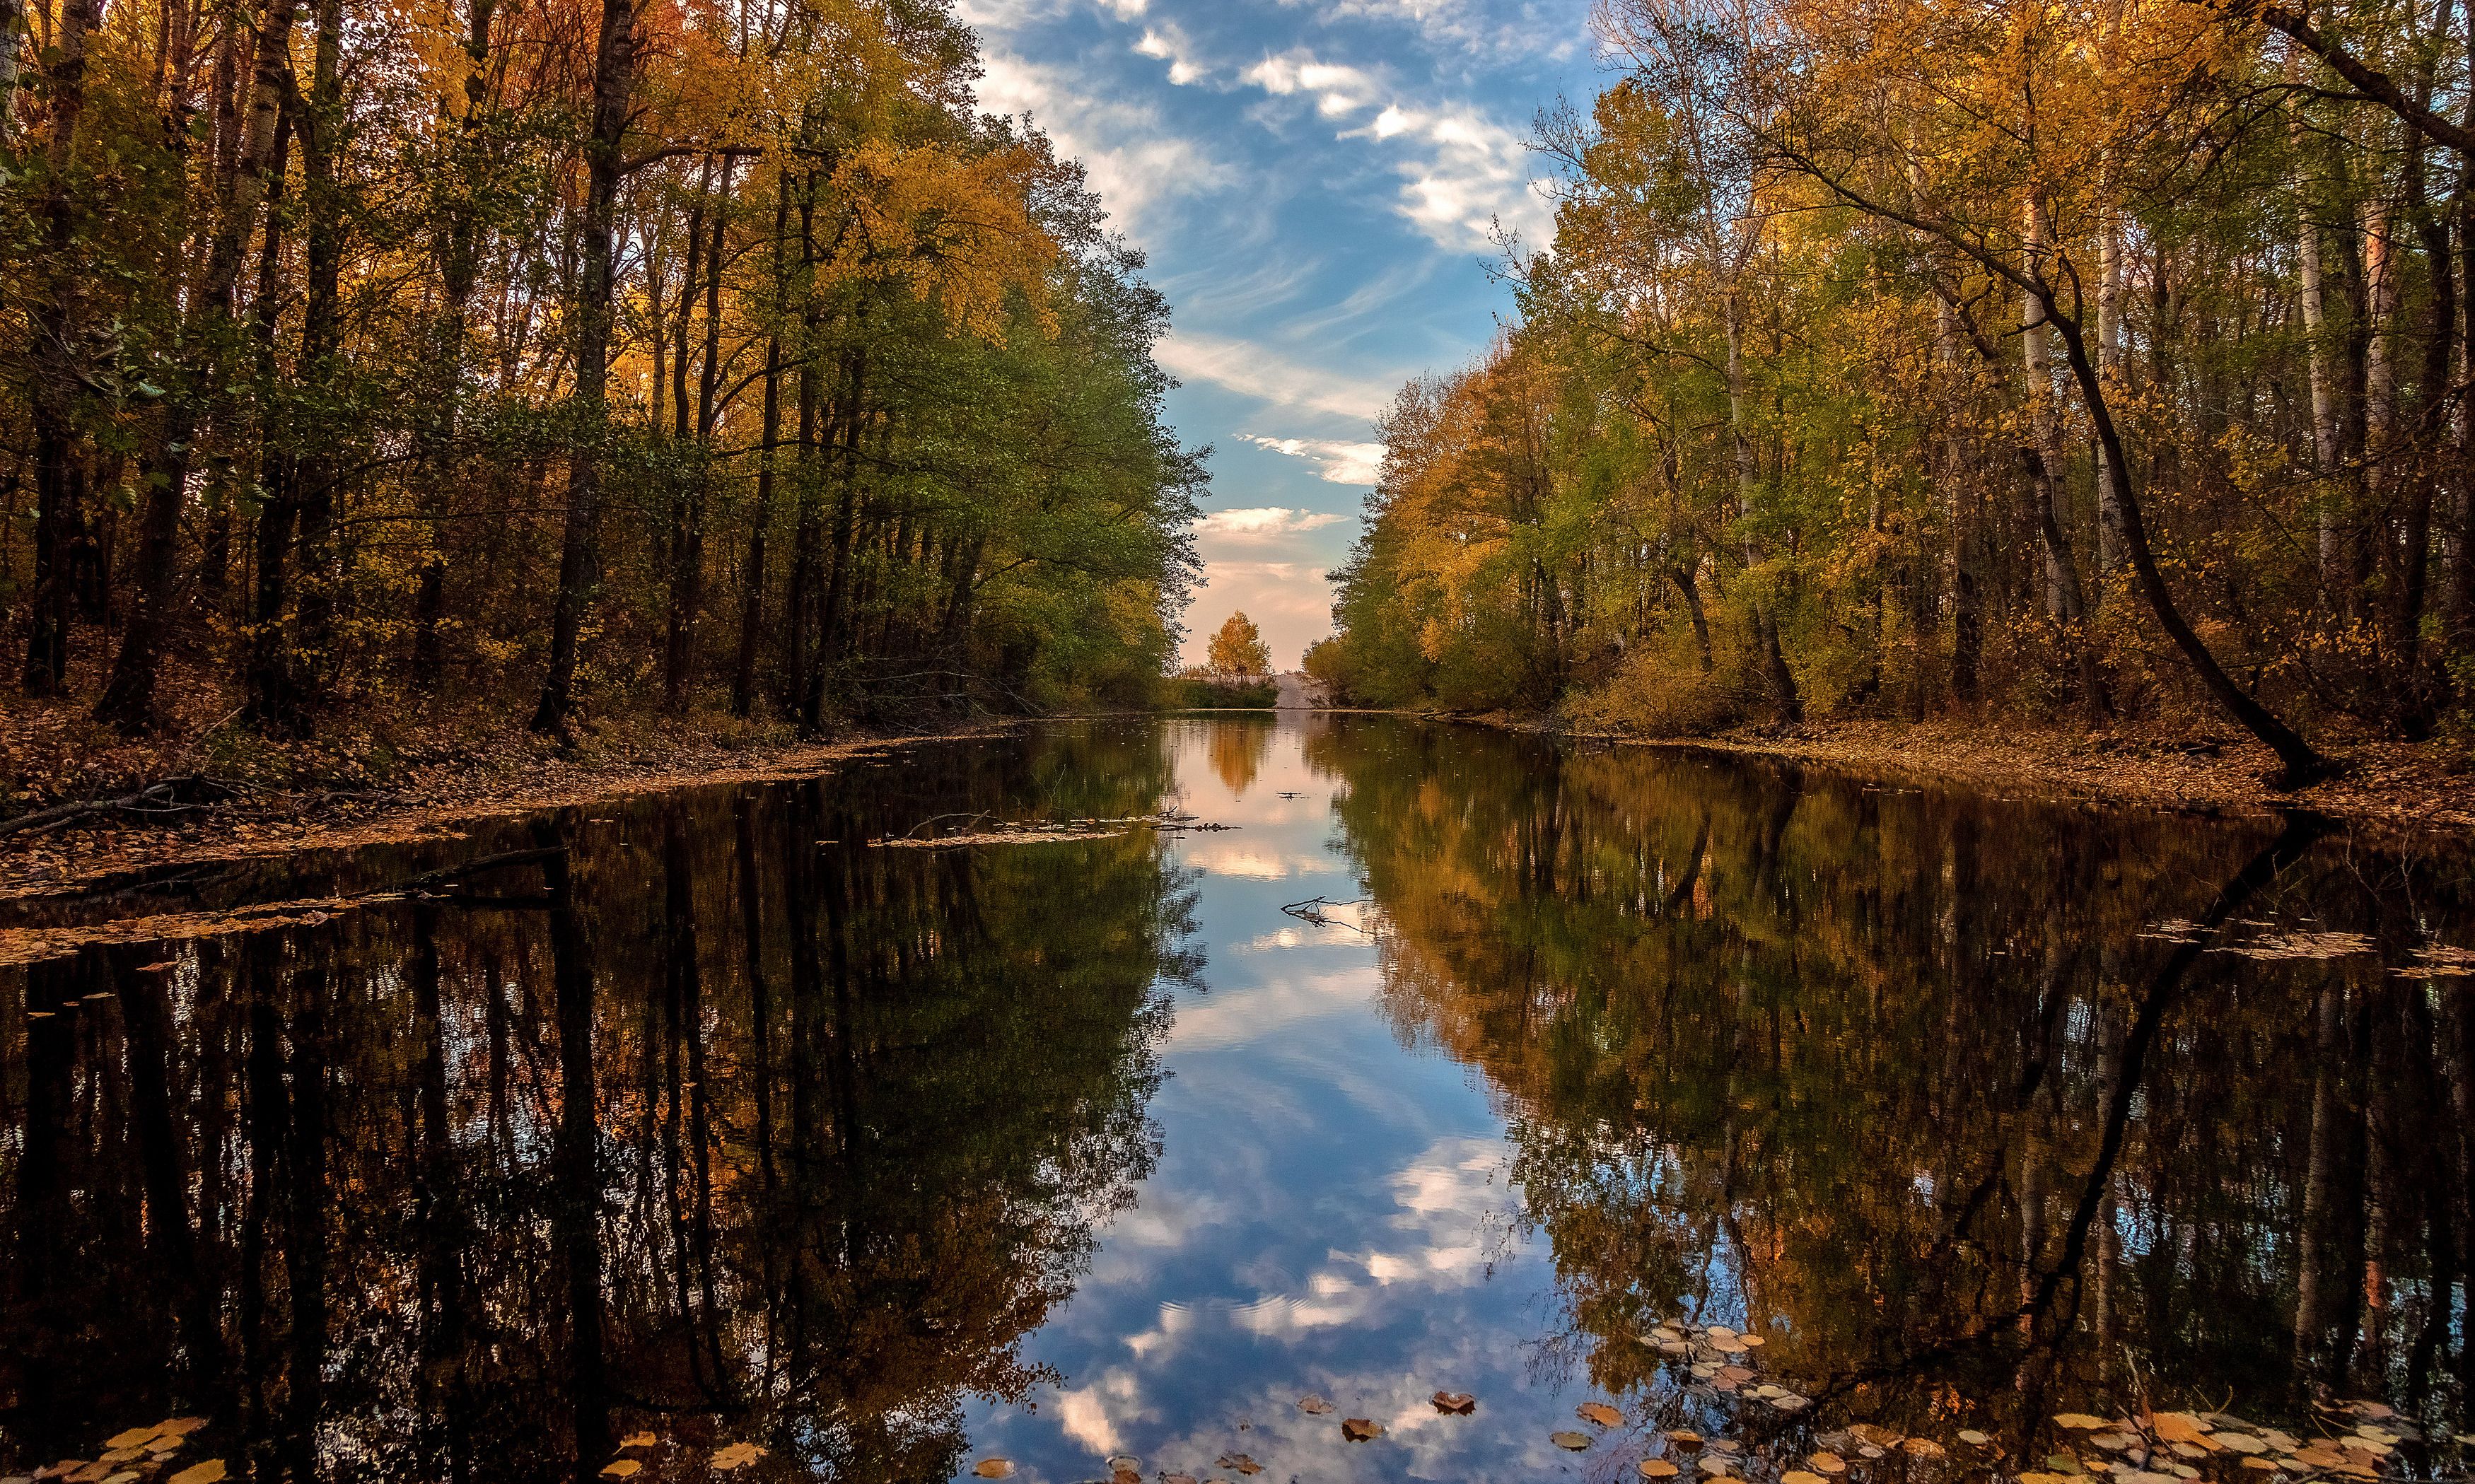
[(1239, 649)]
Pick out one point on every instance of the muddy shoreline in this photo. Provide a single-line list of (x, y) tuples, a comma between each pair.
[(2411, 787), (431, 803)]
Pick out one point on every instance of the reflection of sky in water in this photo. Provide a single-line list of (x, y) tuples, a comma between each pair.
[(1330, 1212)]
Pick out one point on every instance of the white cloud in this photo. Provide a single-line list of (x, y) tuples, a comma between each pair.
[(1337, 461), (1246, 367), (1167, 42), (1462, 173), (1544, 29), (1133, 160), (1264, 523), (1466, 174), (1336, 87)]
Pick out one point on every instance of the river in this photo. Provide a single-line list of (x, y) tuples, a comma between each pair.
[(744, 1131)]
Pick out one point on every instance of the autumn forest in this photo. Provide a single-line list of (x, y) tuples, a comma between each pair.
[(2101, 363), (560, 357)]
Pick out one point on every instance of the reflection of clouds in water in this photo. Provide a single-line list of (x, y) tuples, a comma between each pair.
[(1097, 1415), (1255, 863), (1304, 934), (1238, 1017)]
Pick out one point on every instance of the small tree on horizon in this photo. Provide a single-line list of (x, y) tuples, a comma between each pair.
[(1239, 649)]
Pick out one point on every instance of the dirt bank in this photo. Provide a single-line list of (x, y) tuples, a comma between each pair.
[(2410, 785), (513, 773)]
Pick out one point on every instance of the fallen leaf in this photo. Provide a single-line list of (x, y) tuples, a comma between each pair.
[(1827, 1462), (1245, 1465), (1001, 1469), (2080, 1421), (1656, 1468), (1360, 1429), (1313, 1405), (2180, 1427), (207, 1472), (1598, 1412), (639, 1440), (133, 1437), (1879, 1437), (1684, 1437), (1752, 1341), (1574, 1442), (2264, 1464), (2045, 1478), (1460, 1403), (1715, 1466), (622, 1469), (2063, 1463), (1922, 1447), (1725, 1445), (1974, 1438), (1128, 1462), (738, 1455), (1799, 1477), (1177, 1478)]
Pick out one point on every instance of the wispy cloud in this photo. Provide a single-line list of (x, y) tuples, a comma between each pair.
[(1464, 175), (1264, 523), (1167, 42), (1133, 160), (1246, 367), (1337, 461)]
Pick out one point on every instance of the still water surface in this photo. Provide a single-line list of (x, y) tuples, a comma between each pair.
[(704, 1116)]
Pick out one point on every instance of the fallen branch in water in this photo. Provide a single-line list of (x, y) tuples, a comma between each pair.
[(1315, 907), (1033, 831)]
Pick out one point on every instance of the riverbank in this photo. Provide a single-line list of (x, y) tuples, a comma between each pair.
[(2411, 786), (284, 798)]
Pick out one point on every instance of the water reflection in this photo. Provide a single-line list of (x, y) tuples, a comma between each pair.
[(703, 1117), (1972, 1111), (687, 1122)]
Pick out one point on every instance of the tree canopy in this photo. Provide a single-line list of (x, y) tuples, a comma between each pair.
[(593, 356), (1905, 359)]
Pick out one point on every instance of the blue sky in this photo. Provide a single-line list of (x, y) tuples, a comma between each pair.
[(1315, 182)]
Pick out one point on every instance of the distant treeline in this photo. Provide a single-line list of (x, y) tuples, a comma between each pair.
[(1907, 358), (607, 353)]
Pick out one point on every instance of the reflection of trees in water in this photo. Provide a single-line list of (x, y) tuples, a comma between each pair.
[(703, 1127), (1239, 747), (1845, 1061)]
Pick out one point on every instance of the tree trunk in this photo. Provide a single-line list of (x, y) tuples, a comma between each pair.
[(459, 263), (580, 555), (128, 701), (59, 472), (751, 612)]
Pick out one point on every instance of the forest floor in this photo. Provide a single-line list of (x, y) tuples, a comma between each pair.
[(2416, 786), (245, 796)]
